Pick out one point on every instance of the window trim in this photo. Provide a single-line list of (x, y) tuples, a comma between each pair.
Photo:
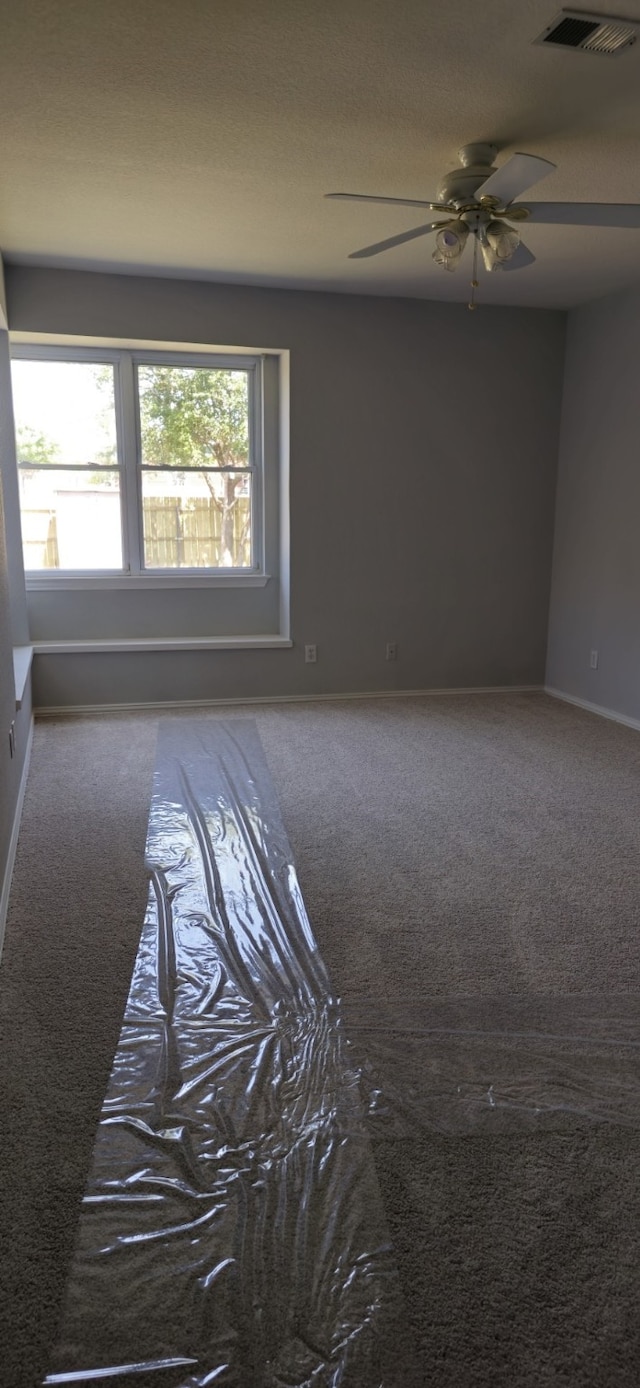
[(125, 361)]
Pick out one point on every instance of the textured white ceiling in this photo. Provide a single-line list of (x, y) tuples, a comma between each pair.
[(199, 136)]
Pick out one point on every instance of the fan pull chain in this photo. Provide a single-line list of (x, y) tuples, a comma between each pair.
[(475, 281)]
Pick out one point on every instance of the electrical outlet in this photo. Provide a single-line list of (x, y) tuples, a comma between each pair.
[(12, 740), (593, 660), (311, 654), (392, 650)]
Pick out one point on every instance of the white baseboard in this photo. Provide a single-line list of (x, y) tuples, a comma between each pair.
[(13, 841), (82, 710), (602, 712)]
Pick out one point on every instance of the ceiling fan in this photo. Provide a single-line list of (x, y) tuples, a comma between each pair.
[(479, 201)]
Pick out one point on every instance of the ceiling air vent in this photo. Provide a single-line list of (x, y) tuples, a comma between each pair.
[(591, 33)]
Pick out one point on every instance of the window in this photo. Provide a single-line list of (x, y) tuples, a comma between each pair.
[(139, 463)]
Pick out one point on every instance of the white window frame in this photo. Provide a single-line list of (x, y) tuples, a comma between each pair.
[(125, 361)]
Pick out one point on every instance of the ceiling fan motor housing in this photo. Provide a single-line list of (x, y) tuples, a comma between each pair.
[(459, 186)]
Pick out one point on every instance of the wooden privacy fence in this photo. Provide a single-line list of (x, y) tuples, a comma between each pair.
[(40, 538), (179, 533), (187, 533)]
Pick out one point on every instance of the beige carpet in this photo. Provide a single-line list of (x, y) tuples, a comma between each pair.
[(461, 848)]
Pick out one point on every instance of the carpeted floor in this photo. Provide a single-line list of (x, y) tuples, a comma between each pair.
[(448, 848)]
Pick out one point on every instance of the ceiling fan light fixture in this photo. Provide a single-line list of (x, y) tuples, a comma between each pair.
[(488, 210), (502, 241), (450, 243)]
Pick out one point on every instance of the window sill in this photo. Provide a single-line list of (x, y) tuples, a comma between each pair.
[(22, 656), (114, 582), (163, 643)]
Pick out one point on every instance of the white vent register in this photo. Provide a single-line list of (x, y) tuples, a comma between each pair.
[(590, 33)]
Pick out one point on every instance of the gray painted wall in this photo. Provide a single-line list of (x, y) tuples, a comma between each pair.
[(8, 788), (595, 602), (13, 625), (423, 467), (15, 568)]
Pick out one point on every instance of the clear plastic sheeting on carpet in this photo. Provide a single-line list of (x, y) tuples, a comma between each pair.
[(232, 1231), (495, 1065)]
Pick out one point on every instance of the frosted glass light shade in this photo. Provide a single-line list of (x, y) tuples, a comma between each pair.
[(502, 239), (450, 243)]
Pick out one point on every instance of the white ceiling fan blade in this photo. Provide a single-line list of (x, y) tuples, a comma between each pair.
[(586, 214), (520, 172), (394, 241), (520, 259), (395, 202)]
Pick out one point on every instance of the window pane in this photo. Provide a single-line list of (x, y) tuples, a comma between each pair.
[(70, 520), (64, 413), (192, 416), (196, 520)]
